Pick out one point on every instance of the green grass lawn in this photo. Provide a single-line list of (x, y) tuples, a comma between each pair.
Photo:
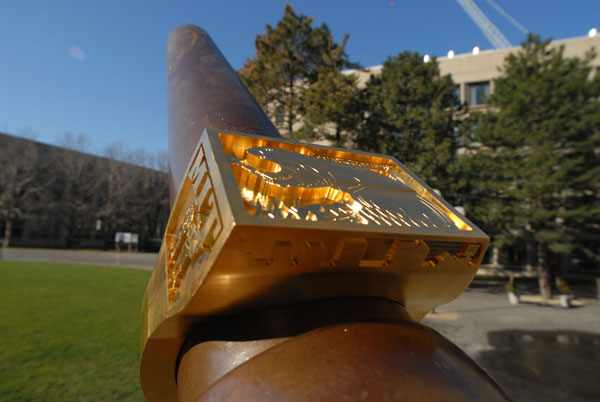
[(69, 332)]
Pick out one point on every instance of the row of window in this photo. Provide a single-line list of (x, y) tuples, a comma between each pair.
[(476, 94)]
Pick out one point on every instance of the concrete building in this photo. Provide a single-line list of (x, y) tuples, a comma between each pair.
[(474, 74), (75, 199)]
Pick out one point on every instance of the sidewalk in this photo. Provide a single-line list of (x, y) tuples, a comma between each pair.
[(536, 351), (107, 258)]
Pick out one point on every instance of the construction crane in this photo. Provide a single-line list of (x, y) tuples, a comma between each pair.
[(508, 17), (491, 32)]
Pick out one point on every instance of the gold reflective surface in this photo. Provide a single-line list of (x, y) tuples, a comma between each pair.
[(283, 184), (261, 223), (198, 227)]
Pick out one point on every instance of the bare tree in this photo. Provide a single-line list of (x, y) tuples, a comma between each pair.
[(18, 180), (115, 188), (135, 191), (153, 187), (66, 192), (77, 178), (76, 142)]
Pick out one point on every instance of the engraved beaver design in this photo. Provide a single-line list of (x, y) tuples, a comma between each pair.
[(280, 183)]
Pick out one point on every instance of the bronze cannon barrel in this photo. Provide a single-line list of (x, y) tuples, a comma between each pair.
[(204, 92), (262, 292)]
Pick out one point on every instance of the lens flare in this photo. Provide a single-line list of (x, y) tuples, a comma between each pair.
[(76, 53)]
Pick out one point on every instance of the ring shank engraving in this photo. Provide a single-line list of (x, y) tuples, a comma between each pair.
[(198, 227)]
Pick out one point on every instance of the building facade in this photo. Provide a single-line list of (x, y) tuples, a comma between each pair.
[(61, 198), (474, 74)]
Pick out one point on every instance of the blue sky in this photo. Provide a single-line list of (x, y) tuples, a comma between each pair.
[(98, 67)]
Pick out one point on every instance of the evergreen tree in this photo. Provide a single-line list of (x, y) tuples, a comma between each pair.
[(535, 158), (289, 59), (411, 113), (332, 108)]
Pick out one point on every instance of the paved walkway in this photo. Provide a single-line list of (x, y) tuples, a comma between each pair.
[(108, 258), (536, 351)]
